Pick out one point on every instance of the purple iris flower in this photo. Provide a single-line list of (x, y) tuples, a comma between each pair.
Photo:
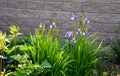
[(53, 25), (69, 35), (85, 33), (73, 40), (78, 32), (86, 21), (74, 17)]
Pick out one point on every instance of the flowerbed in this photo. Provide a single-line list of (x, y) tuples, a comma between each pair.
[(45, 54)]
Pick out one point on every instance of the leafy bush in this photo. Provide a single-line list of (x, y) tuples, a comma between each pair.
[(27, 68), (111, 55), (13, 45), (115, 45), (116, 51)]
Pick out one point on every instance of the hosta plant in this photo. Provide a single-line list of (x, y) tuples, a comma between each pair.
[(25, 67)]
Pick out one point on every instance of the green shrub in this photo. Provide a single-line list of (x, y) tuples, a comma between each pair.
[(116, 51), (115, 45)]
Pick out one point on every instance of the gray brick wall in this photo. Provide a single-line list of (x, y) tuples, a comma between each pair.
[(104, 15)]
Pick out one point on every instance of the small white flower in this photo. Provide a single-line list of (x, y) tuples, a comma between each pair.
[(1, 56), (18, 55), (19, 65), (40, 26)]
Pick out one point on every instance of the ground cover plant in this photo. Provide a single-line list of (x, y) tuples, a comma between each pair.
[(45, 54), (112, 56)]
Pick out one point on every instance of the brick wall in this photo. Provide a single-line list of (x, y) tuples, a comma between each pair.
[(104, 15)]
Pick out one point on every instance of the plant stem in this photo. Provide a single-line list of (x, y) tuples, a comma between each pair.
[(15, 50), (1, 62)]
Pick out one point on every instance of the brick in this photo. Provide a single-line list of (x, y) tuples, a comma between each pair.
[(16, 4), (104, 18), (39, 5), (115, 1), (103, 27), (45, 14), (82, 0), (58, 0), (26, 31), (26, 13), (29, 0), (63, 15), (53, 6), (36, 5), (107, 1), (34, 14), (102, 1), (100, 8), (110, 8), (67, 26), (3, 12), (32, 23), (7, 12), (72, 6), (91, 7), (36, 0)]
